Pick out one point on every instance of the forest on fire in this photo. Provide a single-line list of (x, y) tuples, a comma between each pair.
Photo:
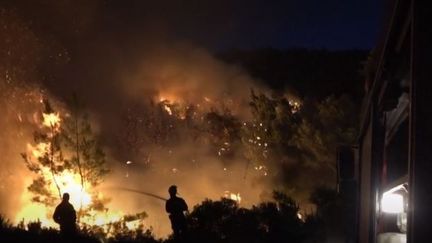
[(249, 136)]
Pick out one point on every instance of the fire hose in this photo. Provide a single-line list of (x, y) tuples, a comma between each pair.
[(139, 192)]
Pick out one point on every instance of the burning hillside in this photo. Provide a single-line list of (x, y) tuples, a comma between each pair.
[(198, 146), (165, 114)]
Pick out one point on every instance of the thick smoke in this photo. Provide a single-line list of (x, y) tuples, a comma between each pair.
[(20, 94), (182, 76), (140, 78), (19, 109)]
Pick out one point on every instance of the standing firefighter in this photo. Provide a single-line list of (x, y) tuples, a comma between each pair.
[(176, 207), (65, 216)]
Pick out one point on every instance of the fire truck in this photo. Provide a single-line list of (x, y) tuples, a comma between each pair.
[(391, 168)]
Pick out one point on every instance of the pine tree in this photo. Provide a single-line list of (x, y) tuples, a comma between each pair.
[(87, 157), (46, 158), (64, 148)]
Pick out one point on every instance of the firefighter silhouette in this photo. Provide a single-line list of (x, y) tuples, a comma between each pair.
[(65, 216), (176, 207)]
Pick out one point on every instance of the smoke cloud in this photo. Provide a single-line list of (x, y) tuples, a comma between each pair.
[(181, 75), (138, 78)]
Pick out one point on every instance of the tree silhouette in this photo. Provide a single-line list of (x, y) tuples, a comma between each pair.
[(46, 158), (87, 158), (66, 154)]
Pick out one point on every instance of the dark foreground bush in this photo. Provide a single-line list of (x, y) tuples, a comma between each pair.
[(210, 222), (224, 221), (34, 233)]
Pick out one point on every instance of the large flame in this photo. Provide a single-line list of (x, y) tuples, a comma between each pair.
[(51, 119), (67, 181), (70, 183), (39, 150)]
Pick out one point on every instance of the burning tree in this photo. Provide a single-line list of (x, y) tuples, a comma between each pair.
[(268, 137), (46, 159), (293, 143), (87, 159), (223, 130), (66, 157)]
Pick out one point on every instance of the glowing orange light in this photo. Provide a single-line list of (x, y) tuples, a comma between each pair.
[(233, 196), (39, 150), (51, 119), (168, 110), (67, 181)]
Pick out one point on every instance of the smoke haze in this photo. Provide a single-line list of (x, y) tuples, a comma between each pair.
[(130, 80)]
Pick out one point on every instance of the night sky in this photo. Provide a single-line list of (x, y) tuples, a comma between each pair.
[(224, 24), (215, 25)]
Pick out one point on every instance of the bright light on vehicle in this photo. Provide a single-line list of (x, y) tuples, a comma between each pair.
[(392, 203)]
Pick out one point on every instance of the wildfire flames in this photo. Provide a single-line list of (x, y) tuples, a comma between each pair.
[(81, 197), (179, 116), (51, 120), (233, 196)]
